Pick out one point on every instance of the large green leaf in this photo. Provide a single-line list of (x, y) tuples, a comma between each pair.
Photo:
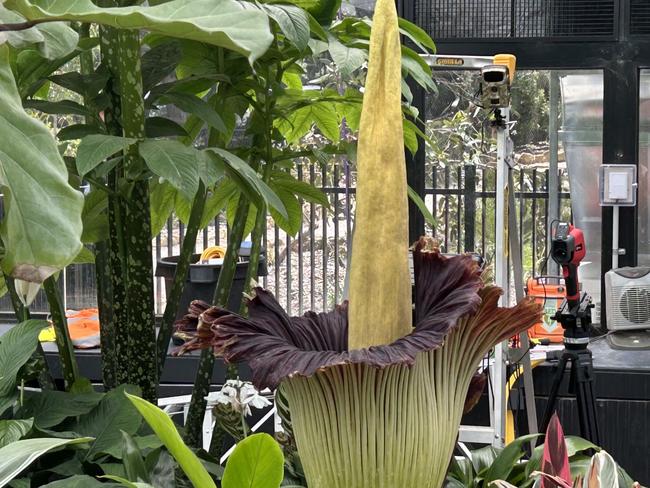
[(249, 180), (50, 408), (217, 201), (347, 59), (41, 227), (225, 23), (63, 107), (127, 483), (301, 189), (256, 462), (14, 430), (165, 429), (106, 421), (79, 481), (53, 40), (174, 161), (293, 223), (18, 455), (16, 348), (96, 148)]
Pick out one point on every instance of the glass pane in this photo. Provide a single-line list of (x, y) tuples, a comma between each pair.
[(644, 167)]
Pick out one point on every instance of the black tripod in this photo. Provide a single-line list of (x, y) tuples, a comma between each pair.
[(575, 321)]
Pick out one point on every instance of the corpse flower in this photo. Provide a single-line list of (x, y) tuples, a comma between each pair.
[(374, 402)]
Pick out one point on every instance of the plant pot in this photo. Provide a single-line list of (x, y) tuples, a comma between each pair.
[(202, 280)]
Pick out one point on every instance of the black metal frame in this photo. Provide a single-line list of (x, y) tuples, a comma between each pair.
[(621, 61)]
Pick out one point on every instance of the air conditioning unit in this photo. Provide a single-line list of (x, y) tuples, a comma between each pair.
[(628, 298)]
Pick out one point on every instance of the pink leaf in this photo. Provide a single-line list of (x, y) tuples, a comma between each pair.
[(555, 461)]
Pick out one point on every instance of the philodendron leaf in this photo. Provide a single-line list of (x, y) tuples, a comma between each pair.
[(225, 23), (16, 348), (41, 227), (162, 197), (106, 421), (96, 148), (18, 455), (256, 462), (164, 428), (196, 106), (14, 430), (174, 161)]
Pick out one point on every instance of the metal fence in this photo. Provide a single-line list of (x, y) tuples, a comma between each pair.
[(307, 271)]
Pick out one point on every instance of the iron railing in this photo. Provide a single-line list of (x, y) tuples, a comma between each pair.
[(307, 271)]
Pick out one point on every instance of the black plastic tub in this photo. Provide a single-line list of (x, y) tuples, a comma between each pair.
[(202, 280)]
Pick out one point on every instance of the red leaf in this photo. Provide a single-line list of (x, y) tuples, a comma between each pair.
[(555, 461)]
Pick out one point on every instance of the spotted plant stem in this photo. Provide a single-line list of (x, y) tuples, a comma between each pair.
[(63, 342), (194, 424), (180, 276)]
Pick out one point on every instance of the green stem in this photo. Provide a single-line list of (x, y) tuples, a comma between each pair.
[(111, 264), (180, 278), (193, 427), (141, 367), (22, 313), (63, 341)]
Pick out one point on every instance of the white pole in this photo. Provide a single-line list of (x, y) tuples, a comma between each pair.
[(615, 238), (501, 274)]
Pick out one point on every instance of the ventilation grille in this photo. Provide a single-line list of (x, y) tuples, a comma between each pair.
[(639, 17), (481, 19)]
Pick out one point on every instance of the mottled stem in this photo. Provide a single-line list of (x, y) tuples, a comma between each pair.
[(63, 342), (180, 277)]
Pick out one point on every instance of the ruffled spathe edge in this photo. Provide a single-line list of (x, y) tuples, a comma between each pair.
[(277, 346)]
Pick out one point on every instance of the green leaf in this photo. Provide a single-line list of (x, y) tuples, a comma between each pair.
[(13, 430), (113, 414), (249, 180), (95, 217), (164, 428), (575, 444), (483, 458), (162, 127), (79, 481), (159, 62), (53, 40), (225, 23), (347, 59), (174, 161), (162, 197), (197, 106), (301, 189), (132, 460), (63, 107), (97, 148), (50, 407), (422, 207), (415, 66), (87, 85), (16, 349), (77, 131), (18, 455), (217, 201), (504, 462), (256, 462), (292, 224), (85, 256), (417, 35), (42, 222), (127, 483), (293, 23)]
